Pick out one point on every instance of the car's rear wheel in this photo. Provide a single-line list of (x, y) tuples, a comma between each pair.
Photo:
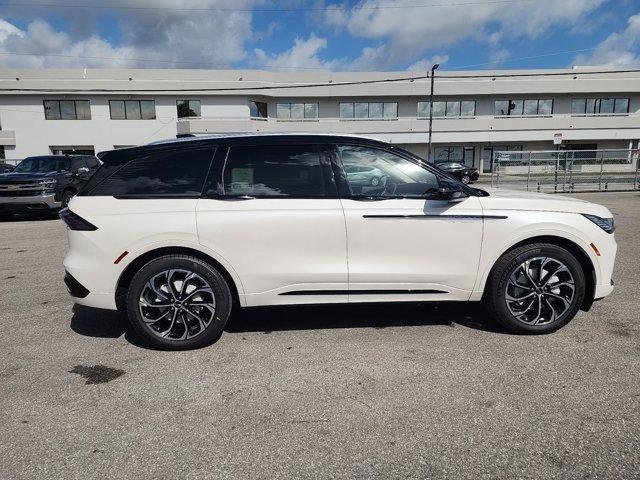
[(536, 288), (178, 302)]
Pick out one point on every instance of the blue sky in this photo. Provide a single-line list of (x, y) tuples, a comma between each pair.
[(320, 34)]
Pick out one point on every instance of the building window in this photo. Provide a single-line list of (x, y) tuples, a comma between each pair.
[(257, 109), (519, 108), (369, 110), (73, 150), (451, 108), (67, 110), (297, 110), (132, 109), (188, 108), (454, 153), (599, 106), (487, 155)]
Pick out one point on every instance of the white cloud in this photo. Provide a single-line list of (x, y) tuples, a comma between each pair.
[(426, 63), (618, 50), (157, 37), (304, 54), (409, 32)]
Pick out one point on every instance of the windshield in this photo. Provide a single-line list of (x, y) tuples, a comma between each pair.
[(43, 165)]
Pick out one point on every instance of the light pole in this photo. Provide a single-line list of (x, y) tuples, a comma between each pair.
[(433, 74)]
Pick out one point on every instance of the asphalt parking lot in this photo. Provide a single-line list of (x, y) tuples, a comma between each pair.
[(415, 391)]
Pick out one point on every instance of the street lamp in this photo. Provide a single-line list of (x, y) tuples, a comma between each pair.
[(433, 74)]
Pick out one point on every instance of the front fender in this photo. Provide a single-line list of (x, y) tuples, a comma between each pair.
[(500, 237)]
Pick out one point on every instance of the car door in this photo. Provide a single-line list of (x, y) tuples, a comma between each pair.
[(405, 243), (272, 213)]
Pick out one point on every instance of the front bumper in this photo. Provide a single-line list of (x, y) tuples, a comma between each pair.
[(29, 204)]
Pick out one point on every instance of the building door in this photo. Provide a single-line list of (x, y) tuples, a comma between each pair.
[(487, 159)]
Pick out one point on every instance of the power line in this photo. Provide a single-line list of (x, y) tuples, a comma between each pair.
[(261, 10), (531, 57), (329, 84)]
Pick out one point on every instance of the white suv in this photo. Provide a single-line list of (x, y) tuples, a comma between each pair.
[(177, 233)]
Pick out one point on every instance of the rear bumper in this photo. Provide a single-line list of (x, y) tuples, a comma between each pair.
[(74, 287), (28, 204)]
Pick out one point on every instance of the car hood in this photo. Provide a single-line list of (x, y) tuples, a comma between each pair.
[(13, 176), (500, 199)]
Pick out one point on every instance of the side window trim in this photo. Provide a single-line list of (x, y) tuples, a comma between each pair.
[(214, 183)]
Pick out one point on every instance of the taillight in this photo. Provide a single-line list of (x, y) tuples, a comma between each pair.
[(75, 222)]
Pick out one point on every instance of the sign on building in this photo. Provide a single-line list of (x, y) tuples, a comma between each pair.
[(557, 139)]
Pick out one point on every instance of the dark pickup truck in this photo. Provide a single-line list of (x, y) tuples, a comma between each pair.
[(46, 183)]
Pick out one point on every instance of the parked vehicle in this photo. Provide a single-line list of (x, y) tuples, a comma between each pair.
[(6, 167), (364, 176), (177, 233), (46, 183), (462, 172)]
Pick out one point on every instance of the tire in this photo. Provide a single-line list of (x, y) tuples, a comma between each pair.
[(175, 309), (67, 195), (509, 289), (466, 179)]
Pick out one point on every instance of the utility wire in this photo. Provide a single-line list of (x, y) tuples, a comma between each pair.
[(261, 10)]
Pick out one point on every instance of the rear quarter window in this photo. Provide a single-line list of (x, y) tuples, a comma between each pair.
[(170, 173)]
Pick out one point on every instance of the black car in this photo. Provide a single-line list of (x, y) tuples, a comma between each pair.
[(6, 167), (461, 172), (46, 183)]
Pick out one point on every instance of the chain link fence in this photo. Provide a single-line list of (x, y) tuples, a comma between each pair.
[(567, 170)]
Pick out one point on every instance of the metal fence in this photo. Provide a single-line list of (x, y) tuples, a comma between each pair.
[(566, 170)]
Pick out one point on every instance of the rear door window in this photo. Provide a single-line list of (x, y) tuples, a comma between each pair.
[(275, 171), (172, 173)]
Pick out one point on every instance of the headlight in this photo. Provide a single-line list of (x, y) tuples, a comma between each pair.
[(606, 224)]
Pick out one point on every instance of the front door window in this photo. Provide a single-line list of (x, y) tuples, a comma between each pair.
[(372, 172)]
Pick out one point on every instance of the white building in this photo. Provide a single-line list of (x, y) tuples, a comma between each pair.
[(58, 111)]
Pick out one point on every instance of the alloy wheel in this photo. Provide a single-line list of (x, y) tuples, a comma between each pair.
[(540, 290), (177, 304)]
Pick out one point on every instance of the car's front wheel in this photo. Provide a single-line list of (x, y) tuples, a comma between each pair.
[(178, 302), (535, 288), (466, 179)]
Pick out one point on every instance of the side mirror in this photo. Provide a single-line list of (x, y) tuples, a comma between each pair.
[(450, 191), (82, 171)]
